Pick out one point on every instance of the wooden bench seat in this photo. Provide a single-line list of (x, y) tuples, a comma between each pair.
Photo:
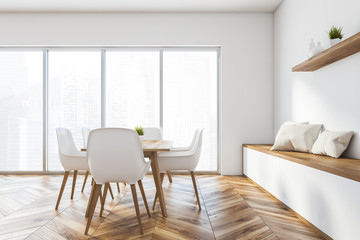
[(344, 167)]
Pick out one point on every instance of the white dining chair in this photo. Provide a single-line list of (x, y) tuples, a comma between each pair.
[(115, 155), (182, 160), (71, 159), (153, 133), (85, 133)]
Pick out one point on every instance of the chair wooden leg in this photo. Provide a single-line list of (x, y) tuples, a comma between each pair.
[(133, 190), (156, 194), (144, 196), (155, 199), (66, 175), (86, 176), (124, 183), (90, 199), (101, 197), (169, 176), (104, 198), (111, 192), (195, 188), (73, 184), (92, 181), (97, 190), (118, 187)]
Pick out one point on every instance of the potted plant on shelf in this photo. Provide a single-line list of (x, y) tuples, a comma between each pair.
[(140, 131), (335, 35)]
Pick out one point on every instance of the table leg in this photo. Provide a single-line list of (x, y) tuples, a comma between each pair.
[(156, 176)]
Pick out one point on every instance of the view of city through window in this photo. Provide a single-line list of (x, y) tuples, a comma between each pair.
[(175, 90), (190, 101), (132, 89), (21, 111), (74, 97)]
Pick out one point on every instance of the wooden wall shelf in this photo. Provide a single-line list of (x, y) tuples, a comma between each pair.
[(335, 53)]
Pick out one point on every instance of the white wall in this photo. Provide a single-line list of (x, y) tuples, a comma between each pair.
[(246, 40), (329, 95)]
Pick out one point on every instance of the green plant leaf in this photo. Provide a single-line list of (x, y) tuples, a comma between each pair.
[(139, 130), (335, 32)]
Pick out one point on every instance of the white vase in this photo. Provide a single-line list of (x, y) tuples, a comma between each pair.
[(141, 137), (312, 46), (334, 41), (316, 50)]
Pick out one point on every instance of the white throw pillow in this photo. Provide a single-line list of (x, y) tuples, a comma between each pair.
[(281, 138), (332, 143), (297, 137)]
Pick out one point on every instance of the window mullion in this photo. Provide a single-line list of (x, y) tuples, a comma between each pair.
[(161, 89), (103, 88), (45, 108)]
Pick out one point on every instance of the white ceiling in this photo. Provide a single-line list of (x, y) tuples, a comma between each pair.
[(138, 5)]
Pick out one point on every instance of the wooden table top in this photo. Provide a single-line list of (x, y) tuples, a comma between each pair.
[(156, 145), (153, 146)]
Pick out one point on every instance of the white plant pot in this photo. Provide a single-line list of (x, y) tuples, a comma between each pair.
[(334, 41), (141, 137)]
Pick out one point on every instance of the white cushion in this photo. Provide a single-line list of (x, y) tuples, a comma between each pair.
[(281, 136), (332, 143), (296, 137)]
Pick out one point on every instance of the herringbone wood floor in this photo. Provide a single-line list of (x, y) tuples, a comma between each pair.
[(232, 208)]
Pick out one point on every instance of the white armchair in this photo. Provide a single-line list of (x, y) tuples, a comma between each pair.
[(182, 160), (116, 155), (152, 133), (85, 132), (71, 159)]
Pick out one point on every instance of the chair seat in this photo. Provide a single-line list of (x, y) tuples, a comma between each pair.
[(176, 162), (76, 154), (188, 148), (75, 162), (172, 154), (126, 177)]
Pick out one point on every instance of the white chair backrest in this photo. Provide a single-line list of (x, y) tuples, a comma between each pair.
[(189, 147), (194, 155), (152, 133), (85, 133), (66, 143), (192, 144), (198, 144), (115, 155)]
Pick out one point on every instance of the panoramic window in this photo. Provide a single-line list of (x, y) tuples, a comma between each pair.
[(175, 89), (132, 89), (74, 97), (190, 101), (21, 111)]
